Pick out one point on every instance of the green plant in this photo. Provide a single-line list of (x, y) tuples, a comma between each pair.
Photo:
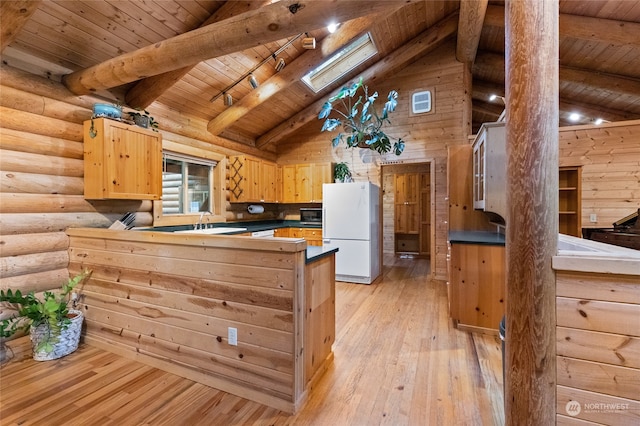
[(137, 115), (51, 310), (361, 123), (341, 172)]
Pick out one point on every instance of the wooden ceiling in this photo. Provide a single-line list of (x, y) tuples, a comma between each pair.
[(198, 48)]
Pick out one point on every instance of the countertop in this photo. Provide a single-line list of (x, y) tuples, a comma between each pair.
[(476, 237), (251, 226), (318, 252)]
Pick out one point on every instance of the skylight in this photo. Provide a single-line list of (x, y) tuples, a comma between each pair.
[(341, 63)]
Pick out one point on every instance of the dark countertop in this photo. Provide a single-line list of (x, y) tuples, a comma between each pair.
[(318, 252), (476, 237), (251, 226)]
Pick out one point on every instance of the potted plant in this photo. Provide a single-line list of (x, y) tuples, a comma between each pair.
[(54, 328), (143, 118), (360, 121), (341, 172)]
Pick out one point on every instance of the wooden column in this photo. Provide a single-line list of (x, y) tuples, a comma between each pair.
[(531, 52)]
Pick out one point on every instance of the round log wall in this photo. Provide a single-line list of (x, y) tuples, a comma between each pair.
[(41, 182)]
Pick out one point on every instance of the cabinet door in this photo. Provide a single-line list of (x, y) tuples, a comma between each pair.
[(313, 236), (121, 161), (321, 174), (289, 183), (268, 182), (303, 183), (252, 179), (478, 172)]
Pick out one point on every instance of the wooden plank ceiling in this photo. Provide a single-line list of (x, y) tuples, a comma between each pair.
[(199, 48)]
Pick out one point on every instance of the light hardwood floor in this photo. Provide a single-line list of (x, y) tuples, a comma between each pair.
[(398, 361)]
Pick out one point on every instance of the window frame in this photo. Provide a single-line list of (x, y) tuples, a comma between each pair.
[(217, 192)]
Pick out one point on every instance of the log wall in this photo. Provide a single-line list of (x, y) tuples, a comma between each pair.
[(610, 158), (167, 300), (41, 176), (427, 136)]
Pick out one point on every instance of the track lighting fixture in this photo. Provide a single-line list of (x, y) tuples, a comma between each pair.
[(280, 64), (253, 81), (228, 99)]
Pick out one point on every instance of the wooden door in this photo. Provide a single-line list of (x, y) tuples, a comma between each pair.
[(425, 213), (407, 218), (321, 173), (268, 182), (289, 183), (303, 183)]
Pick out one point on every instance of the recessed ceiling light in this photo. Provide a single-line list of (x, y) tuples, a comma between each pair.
[(574, 116)]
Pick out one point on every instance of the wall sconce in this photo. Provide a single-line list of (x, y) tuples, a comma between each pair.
[(309, 43), (252, 81), (280, 64), (228, 99)]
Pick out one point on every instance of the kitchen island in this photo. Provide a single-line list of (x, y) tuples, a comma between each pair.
[(250, 316), (598, 331)]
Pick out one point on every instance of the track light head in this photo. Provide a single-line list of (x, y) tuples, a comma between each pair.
[(252, 81), (309, 43), (280, 64), (228, 99)]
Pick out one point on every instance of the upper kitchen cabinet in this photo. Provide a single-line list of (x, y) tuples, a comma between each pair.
[(252, 180), (490, 169), (121, 161), (302, 183)]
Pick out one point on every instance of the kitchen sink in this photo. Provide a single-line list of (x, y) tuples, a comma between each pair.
[(212, 231)]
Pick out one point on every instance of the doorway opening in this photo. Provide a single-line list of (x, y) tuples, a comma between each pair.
[(407, 209)]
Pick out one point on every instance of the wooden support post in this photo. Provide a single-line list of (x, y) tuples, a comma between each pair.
[(532, 222)]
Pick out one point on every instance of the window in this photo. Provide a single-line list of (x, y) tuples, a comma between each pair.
[(187, 184), (341, 63)]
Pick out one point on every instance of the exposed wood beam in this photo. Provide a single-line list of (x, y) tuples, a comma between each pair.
[(267, 24), (400, 58), (611, 84), (582, 27), (469, 29), (14, 15), (145, 91), (482, 90), (290, 74)]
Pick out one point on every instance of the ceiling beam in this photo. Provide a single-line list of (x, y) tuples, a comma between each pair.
[(291, 74), (14, 15), (147, 90), (589, 112), (267, 24), (582, 27), (487, 63), (425, 42), (469, 29)]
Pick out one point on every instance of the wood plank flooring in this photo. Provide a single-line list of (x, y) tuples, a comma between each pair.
[(398, 361)]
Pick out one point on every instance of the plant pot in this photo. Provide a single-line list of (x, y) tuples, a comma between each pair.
[(141, 121), (67, 342)]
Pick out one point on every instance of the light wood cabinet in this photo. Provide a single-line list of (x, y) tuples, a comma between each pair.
[(570, 201), (121, 161), (313, 236), (302, 183), (490, 169), (477, 285), (252, 180)]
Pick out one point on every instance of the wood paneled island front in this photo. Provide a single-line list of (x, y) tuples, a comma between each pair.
[(170, 299)]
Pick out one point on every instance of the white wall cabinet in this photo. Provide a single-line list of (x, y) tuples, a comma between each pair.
[(490, 169)]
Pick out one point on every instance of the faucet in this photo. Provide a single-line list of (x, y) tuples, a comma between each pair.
[(200, 225)]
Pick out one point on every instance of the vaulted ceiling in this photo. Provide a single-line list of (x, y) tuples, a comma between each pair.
[(185, 53)]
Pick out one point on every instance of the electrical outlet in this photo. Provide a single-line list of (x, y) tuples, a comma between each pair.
[(233, 336), (240, 215), (593, 218)]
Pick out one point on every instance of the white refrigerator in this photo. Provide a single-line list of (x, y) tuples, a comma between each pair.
[(351, 222)]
